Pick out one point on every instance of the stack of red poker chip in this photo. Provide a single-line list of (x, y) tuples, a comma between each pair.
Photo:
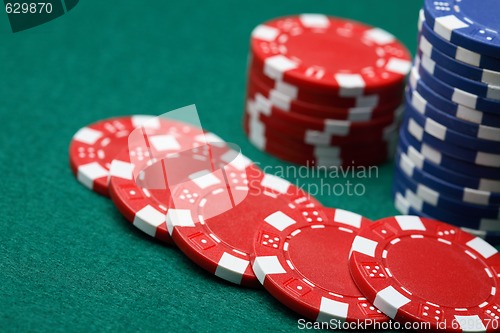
[(324, 91)]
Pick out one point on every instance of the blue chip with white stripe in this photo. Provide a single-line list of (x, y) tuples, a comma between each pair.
[(446, 135), (427, 109), (445, 105), (460, 68), (457, 81), (472, 24), (439, 193), (438, 157), (456, 95), (456, 52)]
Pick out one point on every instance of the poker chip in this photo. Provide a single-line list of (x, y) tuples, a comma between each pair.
[(347, 94), (427, 291), (405, 207), (466, 23), (221, 243), (145, 206), (93, 147), (448, 157), (420, 104), (302, 260), (456, 52), (465, 70), (457, 110)]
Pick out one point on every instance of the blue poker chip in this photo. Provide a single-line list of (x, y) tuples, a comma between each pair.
[(475, 157), (439, 193), (461, 220), (457, 95), (471, 24), (456, 124), (454, 80), (441, 132), (460, 68), (446, 161), (481, 186), (459, 53), (451, 108), (404, 207)]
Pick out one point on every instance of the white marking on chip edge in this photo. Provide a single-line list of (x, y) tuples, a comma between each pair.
[(178, 218), (231, 268), (349, 218), (314, 21), (286, 88), (275, 66), (337, 127), (428, 64), (275, 183), (435, 128), (401, 205), (148, 219), (364, 245), (121, 169), (415, 129), (418, 102), (409, 222), (89, 172), (279, 220), (469, 114), (468, 56), (331, 309), (398, 66), (492, 160), (462, 97), (146, 121), (431, 153), (470, 323), (425, 46), (350, 81), (482, 247), (265, 32), (476, 196), (444, 25), (87, 135), (164, 142), (204, 179), (263, 266), (428, 194), (280, 100), (389, 300), (379, 36), (406, 165)]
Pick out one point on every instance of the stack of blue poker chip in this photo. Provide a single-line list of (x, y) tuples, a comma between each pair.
[(448, 159)]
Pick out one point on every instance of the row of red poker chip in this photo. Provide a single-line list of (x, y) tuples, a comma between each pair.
[(291, 240), (319, 99), (329, 55), (271, 142), (285, 103)]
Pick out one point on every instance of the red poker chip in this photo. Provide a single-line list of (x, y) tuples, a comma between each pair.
[(303, 262), (222, 242), (326, 98), (145, 206), (331, 126), (425, 271), (311, 136), (93, 147), (328, 53), (354, 114), (312, 151)]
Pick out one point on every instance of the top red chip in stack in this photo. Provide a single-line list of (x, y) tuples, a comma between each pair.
[(321, 82)]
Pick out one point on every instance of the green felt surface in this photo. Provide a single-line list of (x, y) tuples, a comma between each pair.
[(68, 261)]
